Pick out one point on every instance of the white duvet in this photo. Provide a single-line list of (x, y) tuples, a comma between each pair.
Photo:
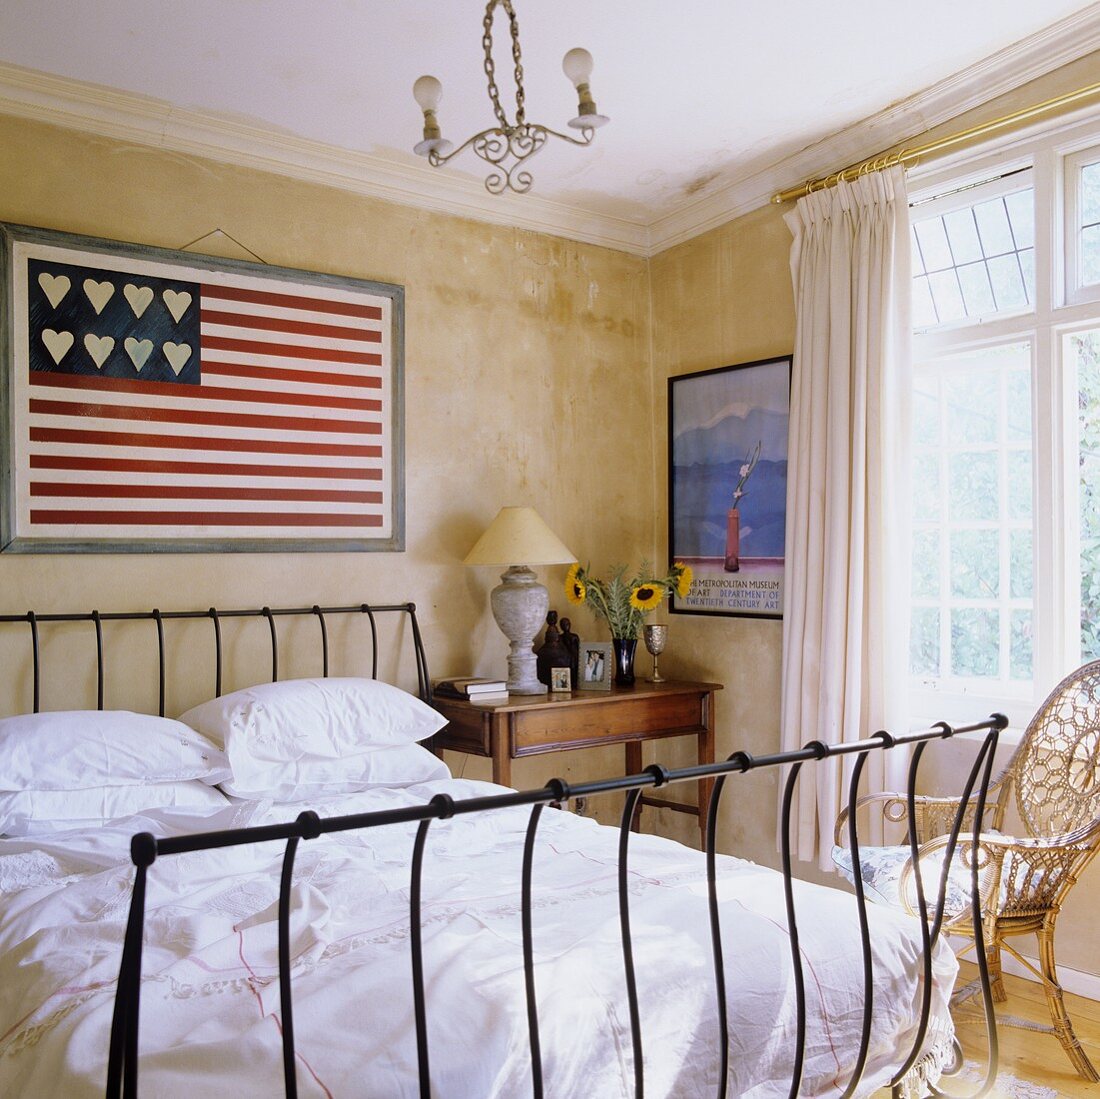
[(210, 998)]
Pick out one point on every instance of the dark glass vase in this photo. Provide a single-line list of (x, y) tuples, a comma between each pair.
[(624, 660)]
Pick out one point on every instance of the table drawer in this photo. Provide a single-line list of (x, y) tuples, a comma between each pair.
[(544, 730)]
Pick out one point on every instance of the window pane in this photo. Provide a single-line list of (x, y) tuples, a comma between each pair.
[(973, 485), (1008, 282), (924, 312), (924, 641), (926, 564), (1018, 388), (1019, 484), (1090, 255), (1084, 348), (977, 293), (946, 295), (926, 410), (915, 257), (994, 228), (975, 564), (1021, 213), (933, 244), (1090, 194), (1027, 266), (972, 407), (1019, 645), (1021, 564), (975, 642), (963, 236), (926, 485)]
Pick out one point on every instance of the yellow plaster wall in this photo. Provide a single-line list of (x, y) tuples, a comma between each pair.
[(518, 351)]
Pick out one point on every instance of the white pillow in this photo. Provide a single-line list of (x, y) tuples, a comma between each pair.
[(85, 749), (31, 811), (281, 736), (402, 765)]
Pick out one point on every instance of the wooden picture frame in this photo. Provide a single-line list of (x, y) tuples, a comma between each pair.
[(561, 680), (727, 486), (594, 666), (169, 402)]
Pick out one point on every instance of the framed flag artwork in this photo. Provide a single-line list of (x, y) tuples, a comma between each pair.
[(161, 401)]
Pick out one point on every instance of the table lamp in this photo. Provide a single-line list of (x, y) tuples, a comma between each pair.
[(519, 601)]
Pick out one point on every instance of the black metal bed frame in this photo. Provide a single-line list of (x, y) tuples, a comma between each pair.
[(122, 1073)]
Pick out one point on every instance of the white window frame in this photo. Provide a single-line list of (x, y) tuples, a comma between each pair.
[(1076, 292), (1054, 152)]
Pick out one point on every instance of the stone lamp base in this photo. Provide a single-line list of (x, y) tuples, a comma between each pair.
[(519, 605)]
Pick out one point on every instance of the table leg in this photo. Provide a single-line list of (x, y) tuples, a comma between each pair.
[(499, 743), (634, 767), (706, 755)]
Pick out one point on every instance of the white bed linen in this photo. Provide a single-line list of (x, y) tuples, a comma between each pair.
[(210, 996)]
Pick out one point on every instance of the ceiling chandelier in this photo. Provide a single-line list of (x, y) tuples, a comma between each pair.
[(508, 144)]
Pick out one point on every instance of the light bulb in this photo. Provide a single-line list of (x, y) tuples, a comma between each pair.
[(577, 65), (427, 92)]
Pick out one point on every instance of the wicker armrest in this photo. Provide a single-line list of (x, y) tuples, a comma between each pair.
[(991, 854), (934, 815)]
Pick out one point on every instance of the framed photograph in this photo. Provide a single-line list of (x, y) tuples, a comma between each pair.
[(561, 679), (727, 486), (163, 401), (594, 668)]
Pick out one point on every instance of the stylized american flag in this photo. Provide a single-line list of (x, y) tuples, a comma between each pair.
[(158, 402)]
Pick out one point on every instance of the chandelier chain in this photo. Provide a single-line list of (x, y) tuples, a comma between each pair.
[(490, 64)]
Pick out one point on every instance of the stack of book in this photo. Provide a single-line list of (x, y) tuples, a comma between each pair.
[(472, 689)]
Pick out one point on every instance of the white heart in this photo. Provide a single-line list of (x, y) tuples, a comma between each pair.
[(139, 298), (57, 343), (99, 293), (177, 355), (99, 347), (54, 286), (139, 350), (178, 304)]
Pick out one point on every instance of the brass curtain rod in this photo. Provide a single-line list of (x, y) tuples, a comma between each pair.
[(909, 156)]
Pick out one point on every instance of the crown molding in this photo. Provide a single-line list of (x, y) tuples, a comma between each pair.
[(139, 119), (124, 116), (1065, 41)]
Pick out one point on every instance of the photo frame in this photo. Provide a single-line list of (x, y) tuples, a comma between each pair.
[(166, 402), (594, 666), (561, 680), (727, 486)]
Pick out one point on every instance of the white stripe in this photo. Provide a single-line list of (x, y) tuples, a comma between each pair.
[(228, 457), (292, 339), (198, 480), (289, 313)]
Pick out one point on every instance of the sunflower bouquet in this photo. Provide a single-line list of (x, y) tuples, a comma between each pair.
[(623, 603)]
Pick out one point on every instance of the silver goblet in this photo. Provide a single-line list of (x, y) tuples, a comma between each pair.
[(656, 637)]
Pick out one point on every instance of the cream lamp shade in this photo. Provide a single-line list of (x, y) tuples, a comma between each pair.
[(519, 537)]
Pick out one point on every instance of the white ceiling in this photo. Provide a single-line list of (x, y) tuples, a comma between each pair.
[(703, 96)]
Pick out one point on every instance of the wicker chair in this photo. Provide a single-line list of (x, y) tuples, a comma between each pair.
[(1024, 880)]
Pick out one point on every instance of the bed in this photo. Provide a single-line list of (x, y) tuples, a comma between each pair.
[(211, 1017)]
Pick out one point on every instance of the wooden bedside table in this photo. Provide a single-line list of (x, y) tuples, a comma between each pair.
[(527, 725)]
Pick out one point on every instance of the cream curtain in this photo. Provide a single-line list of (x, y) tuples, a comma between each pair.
[(845, 629)]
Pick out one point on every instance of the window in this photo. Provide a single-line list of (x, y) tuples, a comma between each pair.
[(1005, 477)]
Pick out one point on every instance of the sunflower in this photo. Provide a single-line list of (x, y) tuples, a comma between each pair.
[(684, 576), (575, 590), (646, 596)]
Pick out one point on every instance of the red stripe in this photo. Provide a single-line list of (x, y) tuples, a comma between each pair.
[(299, 328), (288, 351), (240, 469), (278, 374), (197, 392), (209, 419), (292, 301), (201, 492), (177, 442), (201, 518)]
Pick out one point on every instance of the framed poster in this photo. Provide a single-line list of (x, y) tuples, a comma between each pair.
[(727, 486), (161, 401)]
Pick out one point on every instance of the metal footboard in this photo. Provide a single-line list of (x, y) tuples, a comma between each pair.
[(122, 1078)]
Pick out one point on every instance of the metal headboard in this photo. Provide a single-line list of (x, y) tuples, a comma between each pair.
[(159, 617)]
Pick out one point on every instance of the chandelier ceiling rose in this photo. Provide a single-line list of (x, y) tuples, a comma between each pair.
[(508, 144)]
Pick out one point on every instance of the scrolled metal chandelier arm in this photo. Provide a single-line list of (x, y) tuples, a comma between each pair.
[(508, 145)]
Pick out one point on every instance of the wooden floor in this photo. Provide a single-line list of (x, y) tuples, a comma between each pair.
[(1031, 1057)]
